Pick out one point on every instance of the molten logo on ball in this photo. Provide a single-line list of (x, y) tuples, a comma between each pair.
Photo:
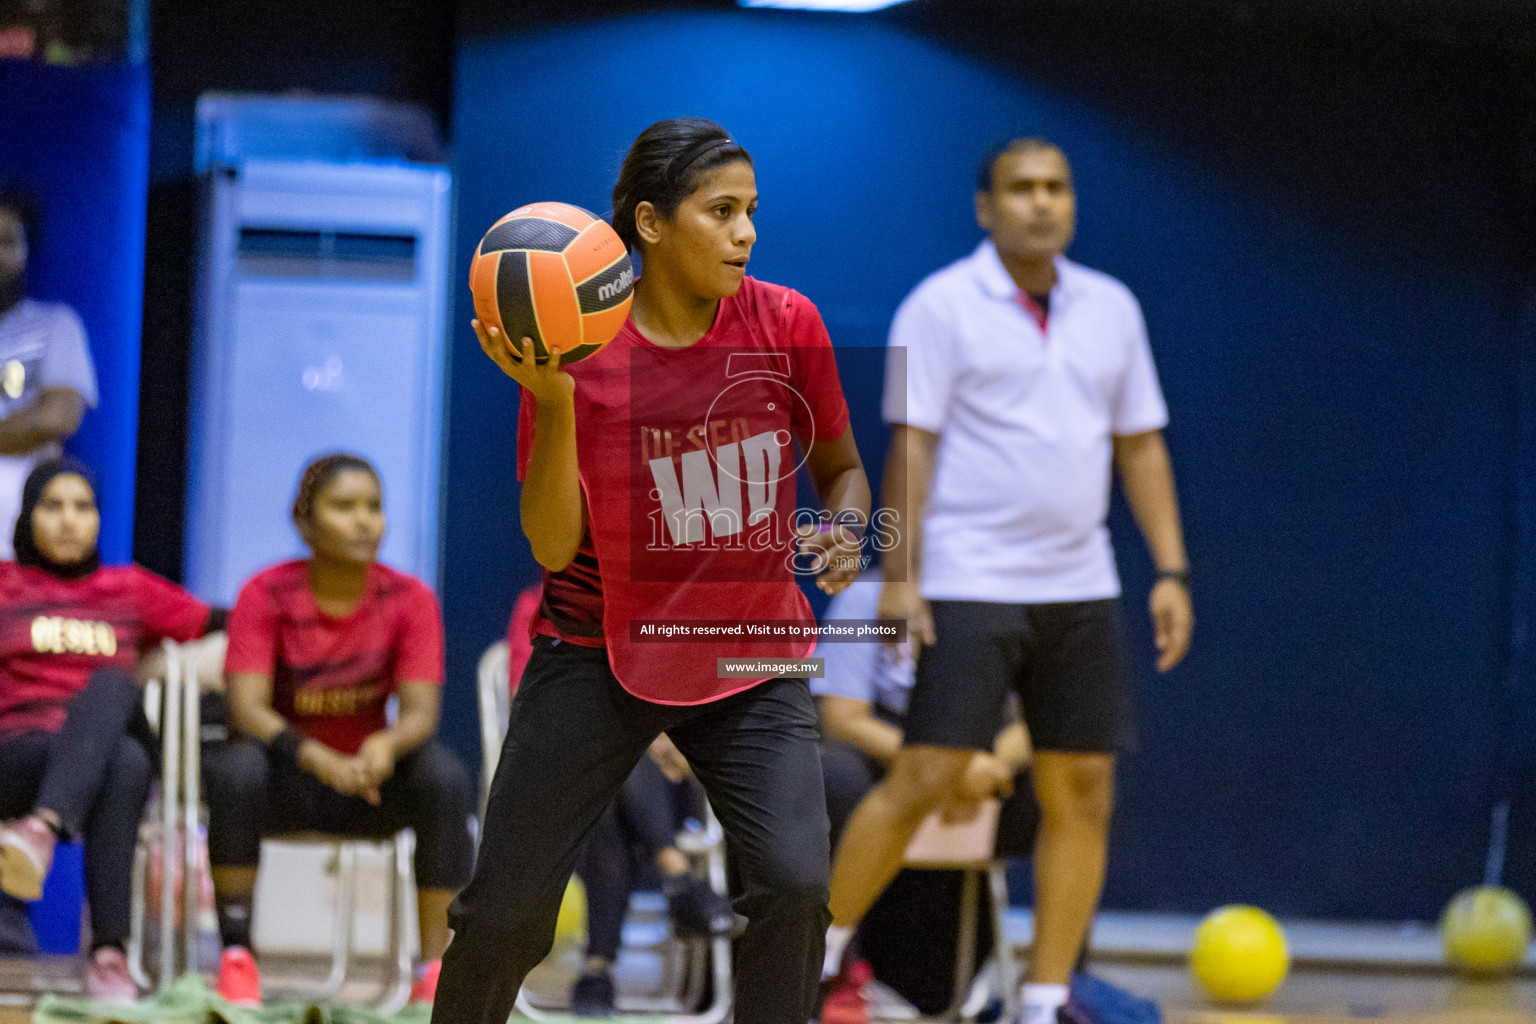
[(617, 289)]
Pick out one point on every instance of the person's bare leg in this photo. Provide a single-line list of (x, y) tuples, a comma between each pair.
[(432, 922), (234, 883), (1076, 794), (877, 834), (234, 890)]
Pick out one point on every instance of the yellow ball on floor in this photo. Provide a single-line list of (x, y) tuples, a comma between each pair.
[(1486, 930), (1239, 954), (571, 925)]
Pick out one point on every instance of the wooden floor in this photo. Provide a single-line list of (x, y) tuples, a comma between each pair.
[(1326, 997), (1307, 997)]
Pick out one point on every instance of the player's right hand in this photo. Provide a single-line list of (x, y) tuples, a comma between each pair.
[(545, 381), (901, 600)]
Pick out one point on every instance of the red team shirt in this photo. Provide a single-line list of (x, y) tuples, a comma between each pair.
[(55, 633), (687, 458), (332, 676)]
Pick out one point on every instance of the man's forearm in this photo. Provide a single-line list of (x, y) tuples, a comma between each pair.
[(25, 431), (852, 721), (904, 491), (878, 739), (54, 416), (1146, 476)]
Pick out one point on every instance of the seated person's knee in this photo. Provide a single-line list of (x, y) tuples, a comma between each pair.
[(131, 765), (440, 779), (236, 772)]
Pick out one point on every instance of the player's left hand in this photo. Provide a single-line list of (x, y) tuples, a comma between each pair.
[(834, 554), (1173, 621)]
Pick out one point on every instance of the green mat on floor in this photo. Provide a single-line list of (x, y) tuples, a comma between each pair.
[(191, 1001)]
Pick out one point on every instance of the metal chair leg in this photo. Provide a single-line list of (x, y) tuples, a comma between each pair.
[(399, 994), (1007, 967), (965, 945), (341, 927), (170, 735), (527, 1009), (191, 801), (135, 949), (720, 947)]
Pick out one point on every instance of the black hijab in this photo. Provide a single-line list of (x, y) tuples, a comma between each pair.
[(25, 543)]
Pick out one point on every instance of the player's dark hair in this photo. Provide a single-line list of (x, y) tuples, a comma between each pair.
[(21, 201), (321, 472), (664, 165), (1025, 144)]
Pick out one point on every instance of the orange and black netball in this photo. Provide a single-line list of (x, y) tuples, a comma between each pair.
[(556, 274)]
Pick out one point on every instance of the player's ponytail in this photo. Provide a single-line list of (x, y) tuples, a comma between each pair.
[(664, 166)]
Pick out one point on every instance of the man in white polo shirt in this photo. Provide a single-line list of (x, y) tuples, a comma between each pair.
[(46, 376), (1025, 378)]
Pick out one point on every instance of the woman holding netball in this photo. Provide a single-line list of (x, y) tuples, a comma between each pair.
[(658, 488)]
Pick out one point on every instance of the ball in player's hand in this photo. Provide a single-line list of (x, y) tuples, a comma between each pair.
[(556, 274)]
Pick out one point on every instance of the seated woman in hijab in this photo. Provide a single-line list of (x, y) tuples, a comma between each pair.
[(73, 759)]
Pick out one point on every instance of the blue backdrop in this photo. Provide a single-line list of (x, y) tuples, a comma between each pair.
[(79, 138), (1343, 427)]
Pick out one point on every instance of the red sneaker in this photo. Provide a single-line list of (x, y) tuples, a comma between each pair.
[(239, 980), (425, 989), (26, 852), (845, 1003)]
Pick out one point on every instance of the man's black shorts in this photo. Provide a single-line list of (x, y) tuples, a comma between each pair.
[(1064, 660)]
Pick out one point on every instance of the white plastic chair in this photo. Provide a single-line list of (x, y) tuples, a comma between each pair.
[(969, 847), (685, 973), (399, 850), (495, 694)]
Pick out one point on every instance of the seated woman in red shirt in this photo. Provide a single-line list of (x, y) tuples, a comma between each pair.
[(73, 763), (317, 647)]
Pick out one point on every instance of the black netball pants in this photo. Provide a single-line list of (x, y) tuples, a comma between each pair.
[(574, 737)]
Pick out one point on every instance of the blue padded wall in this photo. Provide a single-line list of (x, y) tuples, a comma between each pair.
[(79, 138)]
